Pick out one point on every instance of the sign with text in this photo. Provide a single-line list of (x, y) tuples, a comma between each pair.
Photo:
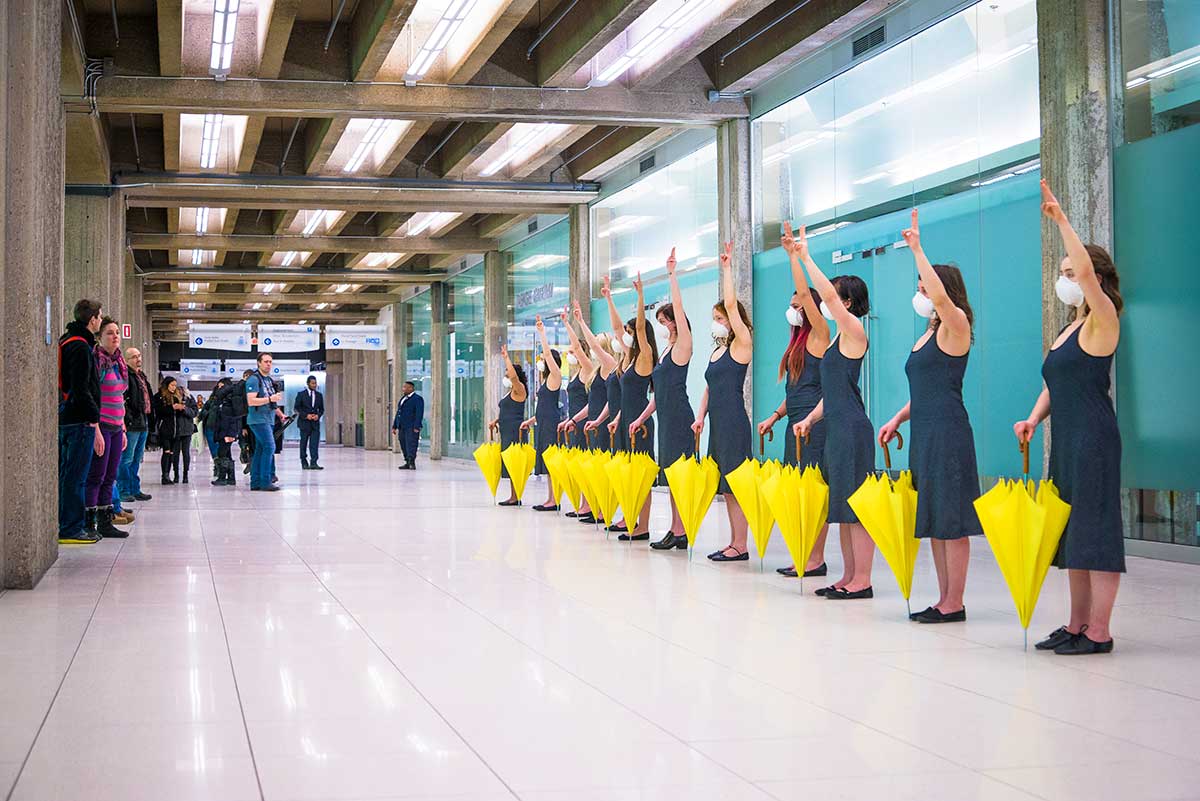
[(356, 337), (289, 338), (219, 336), (235, 367), (280, 367), (200, 369)]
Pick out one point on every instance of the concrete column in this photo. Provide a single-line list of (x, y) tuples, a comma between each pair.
[(400, 332), (437, 408), (31, 257), (94, 252), (496, 294), (334, 389), (1076, 147), (375, 378), (579, 221), (734, 222), (352, 395)]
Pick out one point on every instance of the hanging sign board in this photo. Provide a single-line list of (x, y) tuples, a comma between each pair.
[(356, 337), (200, 369), (235, 367), (219, 336), (282, 367), (289, 338)]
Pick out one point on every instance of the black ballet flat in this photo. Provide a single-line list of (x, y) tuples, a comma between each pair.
[(615, 528), (666, 543), (510, 503), (824, 591), (1057, 637), (571, 514), (913, 616), (787, 572), (820, 570), (635, 538), (843, 594), (541, 507), (1082, 645), (587, 518), (935, 615), (744, 556)]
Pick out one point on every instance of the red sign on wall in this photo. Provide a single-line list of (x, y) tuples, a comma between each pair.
[(126, 331)]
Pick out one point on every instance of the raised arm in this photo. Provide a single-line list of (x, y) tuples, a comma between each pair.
[(1102, 314), (603, 354), (553, 371), (953, 318), (645, 362), (797, 250), (585, 363), (618, 327), (681, 351), (743, 340), (510, 372), (849, 326)]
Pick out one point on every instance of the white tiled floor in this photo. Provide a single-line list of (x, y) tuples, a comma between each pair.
[(376, 634)]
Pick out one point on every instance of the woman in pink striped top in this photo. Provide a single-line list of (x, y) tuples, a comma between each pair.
[(114, 377)]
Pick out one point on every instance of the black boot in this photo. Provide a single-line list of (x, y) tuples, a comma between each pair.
[(219, 472), (89, 522), (230, 473), (104, 524)]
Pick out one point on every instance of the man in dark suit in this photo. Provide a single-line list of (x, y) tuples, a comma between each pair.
[(309, 409), (410, 414)]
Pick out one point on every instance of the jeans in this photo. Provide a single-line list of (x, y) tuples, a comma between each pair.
[(103, 470), (129, 480), (75, 443), (310, 436), (210, 437), (262, 462)]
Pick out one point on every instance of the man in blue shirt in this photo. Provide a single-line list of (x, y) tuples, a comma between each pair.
[(263, 399)]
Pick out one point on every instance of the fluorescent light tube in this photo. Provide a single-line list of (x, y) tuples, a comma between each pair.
[(429, 221), (443, 31), (526, 144), (224, 27), (210, 140), (648, 45), (197, 256), (202, 221), (1182, 65), (288, 258), (314, 222), (364, 147)]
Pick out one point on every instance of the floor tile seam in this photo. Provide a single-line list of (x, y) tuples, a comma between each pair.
[(462, 738), (237, 691), (1041, 714), (66, 672)]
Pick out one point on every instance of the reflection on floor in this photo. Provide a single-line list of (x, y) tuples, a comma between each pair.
[(370, 633)]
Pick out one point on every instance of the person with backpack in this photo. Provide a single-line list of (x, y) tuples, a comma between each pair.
[(263, 398), (79, 434), (226, 410)]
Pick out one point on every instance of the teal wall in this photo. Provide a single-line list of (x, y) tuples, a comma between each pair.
[(1158, 362), (993, 235)]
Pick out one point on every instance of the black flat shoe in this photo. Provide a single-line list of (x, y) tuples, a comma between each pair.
[(1082, 645), (914, 615), (744, 556), (935, 615), (788, 572), (541, 507), (586, 519), (666, 543), (715, 553), (681, 543), (844, 594), (571, 514), (825, 590), (1057, 637), (510, 503), (820, 570), (635, 538), (615, 528)]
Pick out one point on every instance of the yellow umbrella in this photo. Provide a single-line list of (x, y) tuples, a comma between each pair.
[(799, 500), (746, 482), (519, 458), (887, 509), (693, 484), (487, 456), (570, 485), (1023, 526), (578, 467), (603, 497), (631, 476), (554, 457)]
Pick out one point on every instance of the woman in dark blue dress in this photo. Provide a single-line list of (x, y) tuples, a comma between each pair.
[(724, 402), (942, 444), (1085, 443), (579, 399), (512, 414), (547, 412), (801, 368), (599, 401), (670, 403), (849, 436)]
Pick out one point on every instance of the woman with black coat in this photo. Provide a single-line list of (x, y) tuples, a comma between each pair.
[(175, 417)]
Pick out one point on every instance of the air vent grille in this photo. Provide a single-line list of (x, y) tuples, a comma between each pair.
[(867, 42), (645, 164), (531, 227)]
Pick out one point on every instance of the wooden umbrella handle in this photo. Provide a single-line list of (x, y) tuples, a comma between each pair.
[(887, 454), (492, 426), (696, 447), (799, 449), (1024, 458), (587, 436), (770, 435)]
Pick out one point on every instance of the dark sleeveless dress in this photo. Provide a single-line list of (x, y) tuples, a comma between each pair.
[(942, 445), (635, 397), (803, 395), (612, 386), (729, 425), (849, 437), (597, 397), (577, 401), (548, 414), (512, 413), (674, 411), (1085, 457)]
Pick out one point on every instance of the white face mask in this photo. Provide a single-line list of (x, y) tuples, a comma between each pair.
[(719, 330), (795, 316), (1068, 291), (825, 312), (571, 360), (541, 366), (627, 338), (506, 382), (922, 305), (662, 333)]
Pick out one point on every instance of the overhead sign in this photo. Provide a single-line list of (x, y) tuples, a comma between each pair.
[(289, 338), (200, 369), (235, 367), (219, 336), (281, 367), (356, 337)]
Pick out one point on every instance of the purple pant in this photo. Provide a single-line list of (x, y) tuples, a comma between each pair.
[(103, 471)]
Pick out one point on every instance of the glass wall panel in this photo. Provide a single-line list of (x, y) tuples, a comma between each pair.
[(419, 324), (539, 280), (1160, 65), (464, 343)]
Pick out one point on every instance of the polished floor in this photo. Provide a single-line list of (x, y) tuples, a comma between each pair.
[(376, 634)]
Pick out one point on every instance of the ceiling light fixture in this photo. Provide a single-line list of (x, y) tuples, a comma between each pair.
[(268, 289), (452, 19), (289, 257), (364, 147), (224, 26), (210, 140), (202, 221), (197, 256), (526, 144), (256, 306), (340, 288), (315, 221), (193, 287), (649, 44), (429, 221), (1182, 65), (473, 290)]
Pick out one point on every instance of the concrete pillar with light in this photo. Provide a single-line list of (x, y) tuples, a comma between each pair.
[(496, 294), (734, 222), (437, 406)]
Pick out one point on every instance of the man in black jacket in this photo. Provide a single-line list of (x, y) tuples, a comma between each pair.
[(309, 409), (78, 421), (137, 428)]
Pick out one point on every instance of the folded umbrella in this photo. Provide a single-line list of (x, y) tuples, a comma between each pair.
[(746, 483), (631, 476), (799, 500), (570, 485), (488, 457), (693, 483), (603, 498), (1023, 525), (887, 509), (520, 459), (554, 457)]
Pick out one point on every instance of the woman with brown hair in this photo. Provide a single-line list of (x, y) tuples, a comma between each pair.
[(175, 427), (942, 443), (724, 402), (1085, 443)]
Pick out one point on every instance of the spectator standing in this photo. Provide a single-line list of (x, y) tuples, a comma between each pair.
[(78, 421), (170, 414), (410, 412), (309, 409), (112, 374), (262, 398), (138, 416)]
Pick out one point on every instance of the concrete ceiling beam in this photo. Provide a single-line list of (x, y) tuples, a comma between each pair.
[(373, 31), (581, 34), (466, 145), (316, 244), (259, 316), (369, 299), (603, 150), (274, 45), (264, 275), (493, 225)]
